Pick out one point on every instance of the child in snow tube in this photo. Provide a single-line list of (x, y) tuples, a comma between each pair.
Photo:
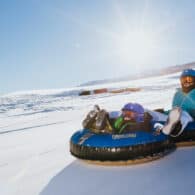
[(124, 135), (131, 118)]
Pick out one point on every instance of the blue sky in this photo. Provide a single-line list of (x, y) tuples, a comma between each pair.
[(57, 44)]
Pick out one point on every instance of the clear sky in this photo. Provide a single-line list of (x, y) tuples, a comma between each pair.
[(62, 43)]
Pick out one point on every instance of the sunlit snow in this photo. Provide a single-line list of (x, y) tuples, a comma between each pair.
[(35, 128)]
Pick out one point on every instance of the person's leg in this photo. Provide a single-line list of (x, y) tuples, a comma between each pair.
[(173, 121), (157, 116), (176, 122), (185, 119)]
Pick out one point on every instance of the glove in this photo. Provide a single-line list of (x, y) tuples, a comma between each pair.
[(158, 128)]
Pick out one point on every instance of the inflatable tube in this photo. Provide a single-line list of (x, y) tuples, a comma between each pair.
[(187, 138), (87, 145)]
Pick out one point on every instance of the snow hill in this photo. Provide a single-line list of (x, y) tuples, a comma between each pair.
[(35, 128), (144, 74)]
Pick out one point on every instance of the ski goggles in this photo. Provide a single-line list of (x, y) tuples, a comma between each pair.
[(187, 79)]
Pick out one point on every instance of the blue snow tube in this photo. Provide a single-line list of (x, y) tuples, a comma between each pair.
[(188, 135), (134, 145)]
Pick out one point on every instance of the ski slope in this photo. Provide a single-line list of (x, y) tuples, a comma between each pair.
[(35, 128)]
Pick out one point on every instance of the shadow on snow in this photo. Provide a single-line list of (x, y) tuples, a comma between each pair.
[(163, 176)]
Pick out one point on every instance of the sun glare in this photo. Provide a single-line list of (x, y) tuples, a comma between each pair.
[(135, 47)]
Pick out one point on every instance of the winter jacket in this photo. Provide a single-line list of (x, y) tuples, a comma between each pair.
[(186, 101), (122, 126)]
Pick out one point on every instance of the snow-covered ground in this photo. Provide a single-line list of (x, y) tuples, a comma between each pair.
[(35, 128)]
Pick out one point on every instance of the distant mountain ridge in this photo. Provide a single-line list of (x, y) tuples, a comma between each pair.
[(163, 71)]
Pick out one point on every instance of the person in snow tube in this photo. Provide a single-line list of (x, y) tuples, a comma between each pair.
[(131, 118), (121, 136), (183, 105)]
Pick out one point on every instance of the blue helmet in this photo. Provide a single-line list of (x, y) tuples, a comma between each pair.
[(137, 108), (188, 72)]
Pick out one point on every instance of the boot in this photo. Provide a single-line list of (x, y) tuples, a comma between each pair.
[(101, 120), (91, 117), (173, 121), (177, 130)]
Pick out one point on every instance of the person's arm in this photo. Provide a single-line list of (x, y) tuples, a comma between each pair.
[(118, 123), (175, 100)]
